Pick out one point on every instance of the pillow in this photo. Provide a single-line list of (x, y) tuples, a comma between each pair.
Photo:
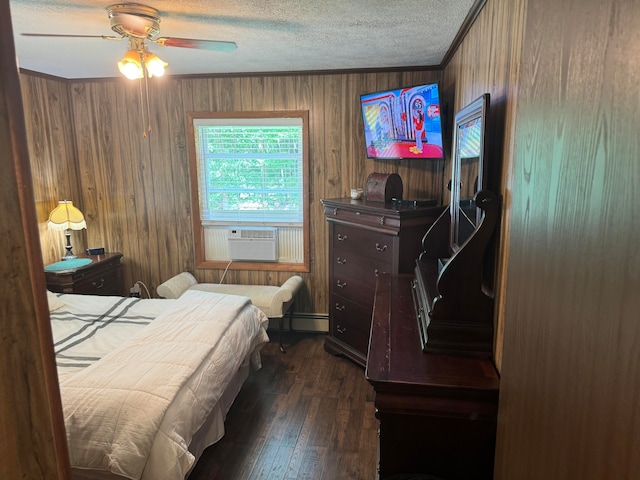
[(175, 286), (54, 301)]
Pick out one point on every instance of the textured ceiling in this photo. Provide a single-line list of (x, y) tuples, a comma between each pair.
[(272, 36)]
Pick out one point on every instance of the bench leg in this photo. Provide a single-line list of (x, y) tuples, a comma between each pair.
[(281, 324), (291, 317)]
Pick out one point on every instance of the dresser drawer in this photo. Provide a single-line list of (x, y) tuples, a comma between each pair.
[(357, 284), (351, 323), (105, 283), (362, 242), (384, 221)]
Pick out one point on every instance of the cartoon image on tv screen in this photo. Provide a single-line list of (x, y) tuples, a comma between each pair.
[(403, 123)]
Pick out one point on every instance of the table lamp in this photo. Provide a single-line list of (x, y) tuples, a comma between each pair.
[(66, 217)]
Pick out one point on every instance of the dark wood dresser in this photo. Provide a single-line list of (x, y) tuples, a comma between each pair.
[(367, 238), (438, 413), (103, 276)]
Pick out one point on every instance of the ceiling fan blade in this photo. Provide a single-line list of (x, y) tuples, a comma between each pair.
[(214, 45), (62, 35)]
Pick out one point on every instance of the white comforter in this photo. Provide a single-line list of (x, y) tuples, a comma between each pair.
[(116, 409), (87, 327)]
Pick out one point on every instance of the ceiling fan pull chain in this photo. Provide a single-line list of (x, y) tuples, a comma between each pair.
[(146, 87), (144, 133)]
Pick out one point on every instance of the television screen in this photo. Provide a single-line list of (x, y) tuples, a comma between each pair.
[(403, 123)]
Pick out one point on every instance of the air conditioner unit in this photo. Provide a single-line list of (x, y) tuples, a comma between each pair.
[(253, 243)]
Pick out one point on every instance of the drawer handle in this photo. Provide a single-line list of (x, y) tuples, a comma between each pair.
[(341, 261), (341, 284), (339, 307), (98, 286), (341, 329), (335, 211), (380, 248), (382, 220), (341, 238), (376, 271)]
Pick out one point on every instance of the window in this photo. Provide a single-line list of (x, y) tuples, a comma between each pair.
[(249, 172)]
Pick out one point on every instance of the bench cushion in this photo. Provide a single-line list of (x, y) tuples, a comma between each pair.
[(272, 300)]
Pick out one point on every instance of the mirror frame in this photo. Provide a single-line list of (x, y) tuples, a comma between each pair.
[(477, 109)]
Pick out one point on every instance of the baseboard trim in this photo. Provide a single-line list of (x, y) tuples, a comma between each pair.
[(304, 322)]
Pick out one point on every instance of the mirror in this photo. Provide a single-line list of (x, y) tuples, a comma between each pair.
[(467, 169)]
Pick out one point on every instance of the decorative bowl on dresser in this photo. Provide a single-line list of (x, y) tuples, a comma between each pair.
[(96, 275), (367, 238)]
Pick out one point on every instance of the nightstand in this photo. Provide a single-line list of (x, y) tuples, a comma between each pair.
[(88, 275)]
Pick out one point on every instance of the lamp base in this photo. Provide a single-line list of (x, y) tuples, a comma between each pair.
[(69, 255)]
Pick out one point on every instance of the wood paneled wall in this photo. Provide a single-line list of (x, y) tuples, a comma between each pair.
[(567, 86), (134, 191), (570, 399), (32, 439), (47, 110)]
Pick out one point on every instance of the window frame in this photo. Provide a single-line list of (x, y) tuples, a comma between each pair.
[(198, 228)]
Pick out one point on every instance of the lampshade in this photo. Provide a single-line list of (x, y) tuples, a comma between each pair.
[(130, 65), (65, 216), (155, 65)]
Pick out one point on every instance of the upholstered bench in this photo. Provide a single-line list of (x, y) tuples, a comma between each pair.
[(274, 301)]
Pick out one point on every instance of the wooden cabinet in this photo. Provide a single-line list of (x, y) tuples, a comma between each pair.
[(365, 239), (103, 276), (438, 413)]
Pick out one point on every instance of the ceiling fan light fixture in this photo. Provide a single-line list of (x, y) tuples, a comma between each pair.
[(130, 65), (155, 65)]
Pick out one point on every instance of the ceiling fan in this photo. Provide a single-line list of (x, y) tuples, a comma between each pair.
[(140, 24)]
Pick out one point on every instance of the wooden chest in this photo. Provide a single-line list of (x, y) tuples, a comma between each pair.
[(383, 187)]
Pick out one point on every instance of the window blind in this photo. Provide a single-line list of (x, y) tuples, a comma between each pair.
[(250, 170)]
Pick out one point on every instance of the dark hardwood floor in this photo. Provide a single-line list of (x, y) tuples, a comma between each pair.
[(305, 415)]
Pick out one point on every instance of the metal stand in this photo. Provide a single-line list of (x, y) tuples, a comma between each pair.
[(69, 255)]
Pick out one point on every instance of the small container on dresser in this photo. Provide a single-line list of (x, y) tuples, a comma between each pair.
[(88, 275), (367, 238)]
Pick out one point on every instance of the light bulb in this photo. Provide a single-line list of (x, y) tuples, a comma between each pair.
[(130, 65), (155, 66)]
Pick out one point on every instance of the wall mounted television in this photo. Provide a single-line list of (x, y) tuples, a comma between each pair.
[(403, 123)]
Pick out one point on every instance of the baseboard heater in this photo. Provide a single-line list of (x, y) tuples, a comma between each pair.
[(256, 244)]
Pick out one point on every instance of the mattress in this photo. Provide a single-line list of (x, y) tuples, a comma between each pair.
[(141, 379)]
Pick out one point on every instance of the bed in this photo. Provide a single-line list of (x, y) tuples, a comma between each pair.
[(146, 383)]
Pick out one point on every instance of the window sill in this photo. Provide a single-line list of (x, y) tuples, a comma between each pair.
[(269, 266)]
